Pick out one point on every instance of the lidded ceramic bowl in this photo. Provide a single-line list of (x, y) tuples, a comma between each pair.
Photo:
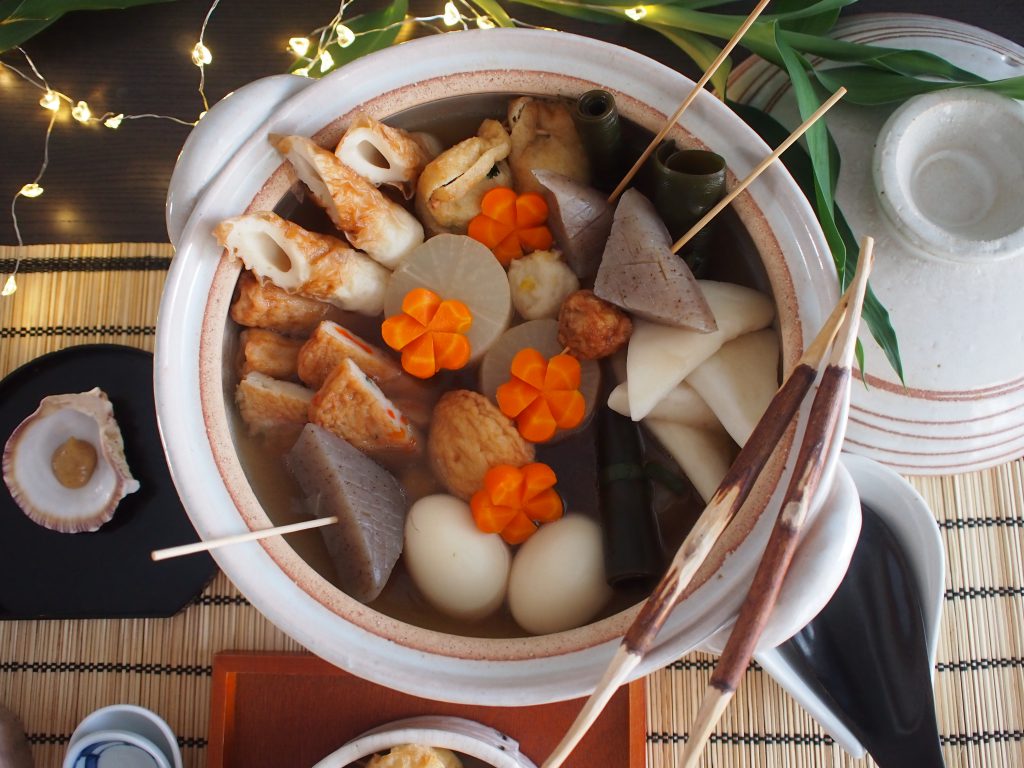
[(195, 378)]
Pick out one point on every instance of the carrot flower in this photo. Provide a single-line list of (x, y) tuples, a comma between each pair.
[(515, 500), (542, 396), (429, 332), (511, 224)]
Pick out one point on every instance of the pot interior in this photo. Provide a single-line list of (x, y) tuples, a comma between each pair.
[(746, 251)]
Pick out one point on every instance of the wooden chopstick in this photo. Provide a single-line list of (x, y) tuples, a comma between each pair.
[(737, 36), (761, 167), (205, 546), (730, 496), (823, 425)]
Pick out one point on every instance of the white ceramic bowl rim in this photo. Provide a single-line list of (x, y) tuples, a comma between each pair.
[(455, 733), (194, 306), (116, 736)]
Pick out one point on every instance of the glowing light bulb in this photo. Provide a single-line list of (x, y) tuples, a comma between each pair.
[(636, 13), (302, 72), (451, 14), (114, 121), (326, 61), (484, 22), (201, 115), (50, 101), (201, 54), (31, 190), (299, 45), (10, 286), (81, 112), (345, 35)]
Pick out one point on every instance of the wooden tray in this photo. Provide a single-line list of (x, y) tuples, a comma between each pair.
[(291, 710)]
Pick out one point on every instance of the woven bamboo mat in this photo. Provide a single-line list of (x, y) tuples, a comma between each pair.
[(52, 673)]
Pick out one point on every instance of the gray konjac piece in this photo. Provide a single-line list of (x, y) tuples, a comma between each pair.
[(338, 479)]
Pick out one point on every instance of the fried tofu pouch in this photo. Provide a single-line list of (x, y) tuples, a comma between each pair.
[(544, 137), (450, 188)]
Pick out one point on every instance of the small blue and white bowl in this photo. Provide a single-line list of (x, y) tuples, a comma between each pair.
[(115, 749), (123, 736)]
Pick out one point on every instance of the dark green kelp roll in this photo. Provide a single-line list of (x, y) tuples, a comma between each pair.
[(597, 122), (632, 541), (686, 184)]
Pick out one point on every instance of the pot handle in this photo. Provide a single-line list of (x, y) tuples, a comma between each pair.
[(216, 137)]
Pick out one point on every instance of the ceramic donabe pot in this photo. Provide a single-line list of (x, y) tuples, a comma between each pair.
[(195, 376)]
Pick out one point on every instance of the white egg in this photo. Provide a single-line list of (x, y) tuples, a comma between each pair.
[(557, 579), (461, 570)]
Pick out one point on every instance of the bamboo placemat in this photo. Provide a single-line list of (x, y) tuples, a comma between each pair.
[(52, 673)]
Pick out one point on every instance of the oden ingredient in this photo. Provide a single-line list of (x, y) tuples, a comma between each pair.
[(337, 479), (468, 436), (461, 570), (557, 580)]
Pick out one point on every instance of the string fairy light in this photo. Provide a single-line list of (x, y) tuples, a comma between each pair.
[(335, 32), (298, 45), (636, 13)]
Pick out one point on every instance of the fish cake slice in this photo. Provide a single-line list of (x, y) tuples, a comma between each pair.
[(351, 406)]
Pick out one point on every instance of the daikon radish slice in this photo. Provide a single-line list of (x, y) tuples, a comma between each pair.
[(681, 405), (659, 357), (704, 455), (739, 381)]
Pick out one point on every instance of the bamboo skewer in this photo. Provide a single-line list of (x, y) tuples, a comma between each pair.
[(205, 546), (730, 496), (761, 167), (822, 427), (733, 41)]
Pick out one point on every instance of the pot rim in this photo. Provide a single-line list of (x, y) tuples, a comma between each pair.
[(201, 454)]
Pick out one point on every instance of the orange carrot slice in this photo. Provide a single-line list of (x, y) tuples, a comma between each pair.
[(429, 332), (563, 372), (500, 204), (519, 529), (536, 423), (451, 316), (531, 210), (401, 330), (509, 223), (567, 407), (530, 366), (418, 357), (504, 485), (490, 518), (535, 238), (545, 507), (514, 396), (489, 231), (537, 478), (421, 304)]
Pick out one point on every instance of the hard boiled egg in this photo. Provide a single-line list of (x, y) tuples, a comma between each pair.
[(461, 570), (557, 580)]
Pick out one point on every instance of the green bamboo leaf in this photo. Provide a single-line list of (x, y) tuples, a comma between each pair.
[(702, 52), (22, 19), (817, 142), (494, 10), (798, 163), (373, 31), (906, 62), (871, 86), (574, 11)]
